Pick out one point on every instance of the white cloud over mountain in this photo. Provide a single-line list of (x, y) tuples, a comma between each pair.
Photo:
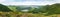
[(29, 2)]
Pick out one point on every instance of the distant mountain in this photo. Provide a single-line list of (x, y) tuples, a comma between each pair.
[(24, 7)]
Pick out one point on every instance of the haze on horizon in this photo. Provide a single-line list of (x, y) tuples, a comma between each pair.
[(29, 2)]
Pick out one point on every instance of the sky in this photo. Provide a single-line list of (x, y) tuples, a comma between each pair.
[(29, 2)]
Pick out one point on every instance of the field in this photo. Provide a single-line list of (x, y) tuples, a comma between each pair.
[(20, 14)]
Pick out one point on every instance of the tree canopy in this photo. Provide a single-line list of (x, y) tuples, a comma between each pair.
[(4, 8)]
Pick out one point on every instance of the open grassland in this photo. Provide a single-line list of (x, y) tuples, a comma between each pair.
[(20, 14)]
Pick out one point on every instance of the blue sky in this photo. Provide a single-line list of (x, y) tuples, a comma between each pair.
[(28, 2)]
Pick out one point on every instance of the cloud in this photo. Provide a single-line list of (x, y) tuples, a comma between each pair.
[(29, 2)]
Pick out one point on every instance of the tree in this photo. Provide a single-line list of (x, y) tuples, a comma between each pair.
[(4, 8), (53, 9)]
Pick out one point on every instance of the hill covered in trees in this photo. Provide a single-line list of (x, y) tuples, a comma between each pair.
[(4, 8)]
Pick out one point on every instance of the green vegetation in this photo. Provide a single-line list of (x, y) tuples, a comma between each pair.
[(4, 8), (46, 10)]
